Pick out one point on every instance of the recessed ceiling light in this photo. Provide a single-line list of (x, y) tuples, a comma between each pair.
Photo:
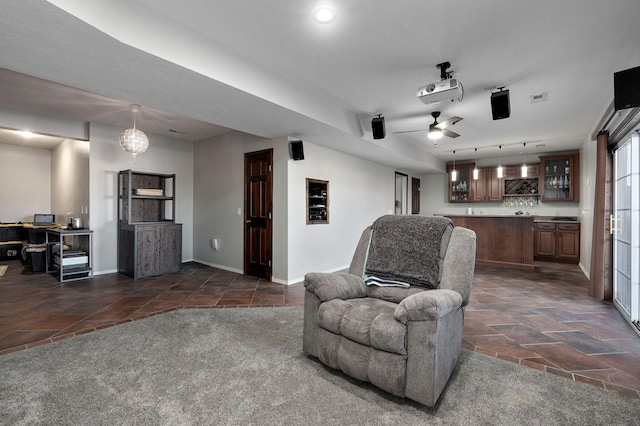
[(324, 15)]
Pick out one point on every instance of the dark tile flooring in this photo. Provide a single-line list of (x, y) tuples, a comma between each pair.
[(542, 319)]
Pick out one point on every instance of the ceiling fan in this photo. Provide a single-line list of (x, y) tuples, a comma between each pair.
[(438, 130)]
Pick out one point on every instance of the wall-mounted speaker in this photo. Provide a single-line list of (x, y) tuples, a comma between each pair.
[(297, 152), (377, 127), (500, 107), (626, 89)]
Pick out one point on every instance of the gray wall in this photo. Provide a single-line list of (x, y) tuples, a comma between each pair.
[(359, 191), (25, 182), (165, 155)]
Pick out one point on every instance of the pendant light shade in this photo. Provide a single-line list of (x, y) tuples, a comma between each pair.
[(454, 172), (133, 140), (476, 172), (500, 169), (524, 170)]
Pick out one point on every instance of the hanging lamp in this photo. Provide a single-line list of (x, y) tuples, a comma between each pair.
[(500, 169), (133, 140), (524, 170), (454, 172), (476, 172)]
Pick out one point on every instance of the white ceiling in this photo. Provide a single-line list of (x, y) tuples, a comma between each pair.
[(205, 66)]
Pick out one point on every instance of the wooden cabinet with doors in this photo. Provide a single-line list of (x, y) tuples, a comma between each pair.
[(460, 189), (557, 242), (488, 187), (147, 250), (559, 177), (149, 240)]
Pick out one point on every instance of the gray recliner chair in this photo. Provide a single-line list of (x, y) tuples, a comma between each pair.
[(396, 318)]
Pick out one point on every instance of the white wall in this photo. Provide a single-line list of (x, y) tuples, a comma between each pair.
[(165, 155), (70, 180), (219, 193), (25, 182), (359, 192)]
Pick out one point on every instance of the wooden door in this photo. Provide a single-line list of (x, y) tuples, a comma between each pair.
[(569, 242), (170, 248), (147, 249), (494, 185), (415, 195), (545, 239), (258, 202), (479, 186)]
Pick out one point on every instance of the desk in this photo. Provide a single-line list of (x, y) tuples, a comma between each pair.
[(70, 253)]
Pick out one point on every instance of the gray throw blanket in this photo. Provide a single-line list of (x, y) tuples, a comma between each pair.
[(406, 250)]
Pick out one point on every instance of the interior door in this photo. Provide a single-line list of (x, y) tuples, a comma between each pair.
[(626, 229), (258, 203)]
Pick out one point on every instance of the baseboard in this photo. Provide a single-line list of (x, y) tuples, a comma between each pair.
[(109, 271), (584, 271), (215, 265)]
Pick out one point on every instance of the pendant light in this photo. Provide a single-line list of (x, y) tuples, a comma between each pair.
[(524, 162), (454, 172), (476, 172), (133, 140), (500, 169)]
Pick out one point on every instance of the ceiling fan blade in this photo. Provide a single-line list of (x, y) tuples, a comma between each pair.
[(449, 133), (448, 122), (411, 131)]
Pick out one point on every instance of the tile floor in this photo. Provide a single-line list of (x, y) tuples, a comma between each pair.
[(542, 319)]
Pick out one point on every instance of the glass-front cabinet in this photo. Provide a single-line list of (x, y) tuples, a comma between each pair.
[(460, 188), (559, 177)]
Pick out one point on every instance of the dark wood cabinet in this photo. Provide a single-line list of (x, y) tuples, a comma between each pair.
[(557, 242), (149, 250), (149, 240), (488, 186), (460, 188), (559, 177), (501, 240)]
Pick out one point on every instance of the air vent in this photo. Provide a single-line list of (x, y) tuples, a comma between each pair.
[(538, 98)]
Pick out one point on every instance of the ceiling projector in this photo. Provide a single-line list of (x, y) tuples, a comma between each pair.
[(448, 89)]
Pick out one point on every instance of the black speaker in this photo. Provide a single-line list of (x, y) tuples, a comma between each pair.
[(626, 89), (500, 105), (297, 153), (377, 127)]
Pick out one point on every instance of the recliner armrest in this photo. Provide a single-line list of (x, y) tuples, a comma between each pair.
[(427, 305), (329, 286)]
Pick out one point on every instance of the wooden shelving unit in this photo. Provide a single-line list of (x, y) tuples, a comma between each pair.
[(149, 240)]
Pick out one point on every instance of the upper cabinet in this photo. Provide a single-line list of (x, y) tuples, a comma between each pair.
[(460, 189), (466, 189), (559, 177), (488, 186)]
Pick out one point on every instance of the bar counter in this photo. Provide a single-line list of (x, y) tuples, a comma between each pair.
[(501, 240)]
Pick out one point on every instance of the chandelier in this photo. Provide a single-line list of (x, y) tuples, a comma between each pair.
[(132, 140)]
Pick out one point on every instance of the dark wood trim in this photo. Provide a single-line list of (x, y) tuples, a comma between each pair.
[(600, 277)]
